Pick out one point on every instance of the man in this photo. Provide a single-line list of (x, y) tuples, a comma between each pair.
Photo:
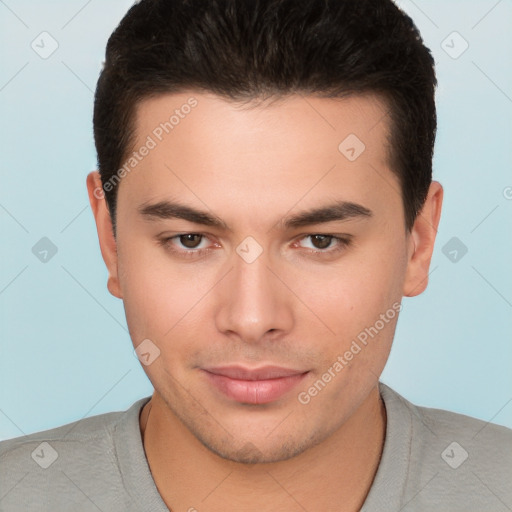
[(264, 201)]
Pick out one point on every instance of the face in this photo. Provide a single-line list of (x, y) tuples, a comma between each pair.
[(255, 238)]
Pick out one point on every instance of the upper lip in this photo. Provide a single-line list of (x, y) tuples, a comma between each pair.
[(261, 373)]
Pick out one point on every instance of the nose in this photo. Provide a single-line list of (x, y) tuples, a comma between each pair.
[(253, 301)]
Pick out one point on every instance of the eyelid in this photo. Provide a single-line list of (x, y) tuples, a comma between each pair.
[(343, 241), (166, 242)]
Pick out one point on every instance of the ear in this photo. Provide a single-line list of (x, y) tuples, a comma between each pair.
[(421, 242), (106, 237)]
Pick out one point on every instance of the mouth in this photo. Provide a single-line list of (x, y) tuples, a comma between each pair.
[(254, 386)]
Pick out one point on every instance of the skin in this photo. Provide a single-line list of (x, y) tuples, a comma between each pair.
[(253, 167)]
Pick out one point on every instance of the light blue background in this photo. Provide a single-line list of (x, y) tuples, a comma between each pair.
[(65, 349)]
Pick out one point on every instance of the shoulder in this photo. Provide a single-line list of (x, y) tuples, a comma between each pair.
[(484, 442), (453, 459), (71, 464), (83, 434), (446, 422)]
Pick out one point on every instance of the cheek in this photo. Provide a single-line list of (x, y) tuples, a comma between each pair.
[(155, 294), (355, 290), (358, 299), (166, 301)]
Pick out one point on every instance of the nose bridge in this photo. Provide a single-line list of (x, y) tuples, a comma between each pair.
[(254, 300)]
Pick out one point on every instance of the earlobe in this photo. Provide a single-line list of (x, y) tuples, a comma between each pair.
[(421, 242), (106, 237)]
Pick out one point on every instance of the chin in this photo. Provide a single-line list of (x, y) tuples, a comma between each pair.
[(257, 451), (249, 441), (249, 453)]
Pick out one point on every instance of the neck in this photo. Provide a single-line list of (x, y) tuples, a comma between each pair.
[(334, 475)]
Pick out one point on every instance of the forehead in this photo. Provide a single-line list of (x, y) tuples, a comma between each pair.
[(302, 116), (297, 148)]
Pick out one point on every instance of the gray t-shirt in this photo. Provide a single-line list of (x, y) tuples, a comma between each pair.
[(433, 460)]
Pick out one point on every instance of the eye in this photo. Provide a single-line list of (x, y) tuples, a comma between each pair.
[(186, 244), (196, 244), (189, 240), (322, 243)]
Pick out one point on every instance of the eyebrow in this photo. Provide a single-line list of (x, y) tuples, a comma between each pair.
[(173, 210), (337, 211)]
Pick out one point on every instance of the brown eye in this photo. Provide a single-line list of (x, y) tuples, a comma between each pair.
[(324, 244), (190, 240), (187, 245), (321, 241)]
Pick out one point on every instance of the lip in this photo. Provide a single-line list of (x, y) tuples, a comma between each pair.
[(254, 386)]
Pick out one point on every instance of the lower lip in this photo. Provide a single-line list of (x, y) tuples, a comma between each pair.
[(254, 391)]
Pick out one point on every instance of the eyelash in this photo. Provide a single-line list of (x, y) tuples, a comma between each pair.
[(342, 243)]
